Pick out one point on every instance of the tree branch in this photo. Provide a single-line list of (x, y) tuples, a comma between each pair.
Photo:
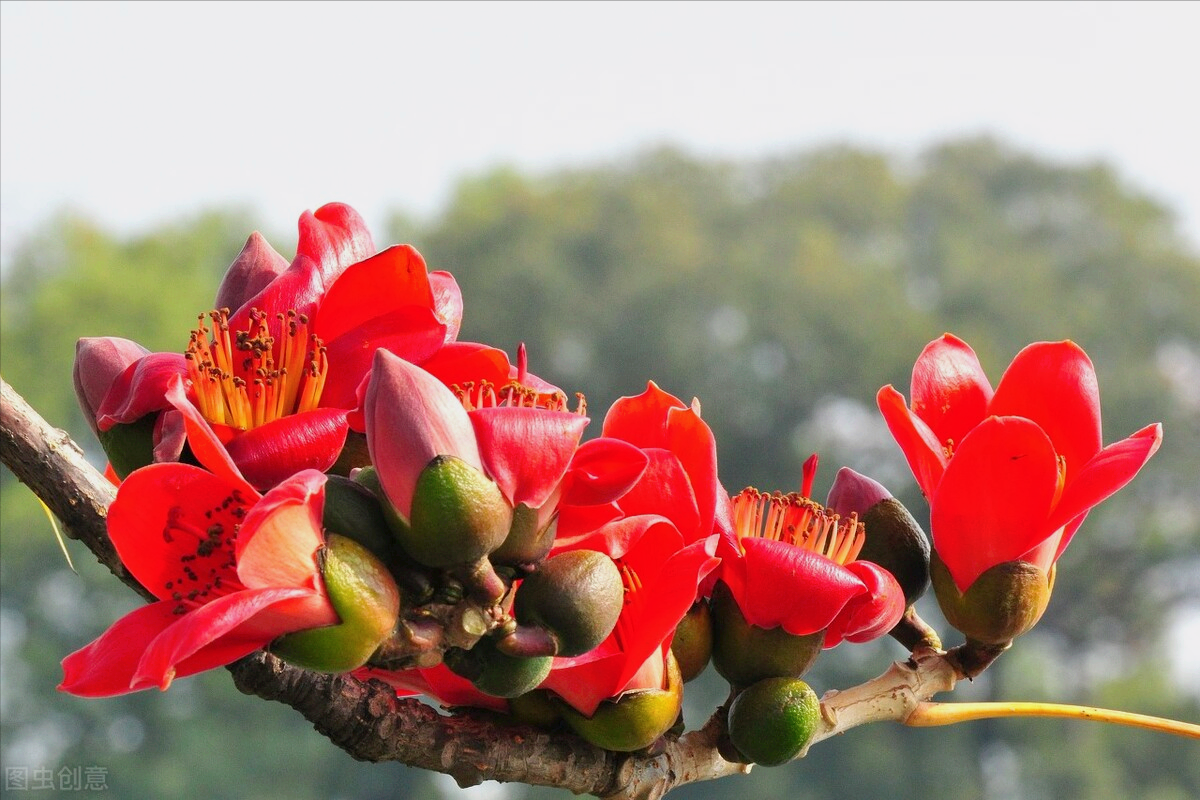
[(368, 720)]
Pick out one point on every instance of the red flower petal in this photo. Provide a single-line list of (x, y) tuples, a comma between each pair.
[(381, 285), (99, 361), (225, 630), (106, 666), (163, 513), (994, 498), (1101, 477), (271, 453), (1054, 384), (950, 393), (462, 362), (642, 419), (873, 613), (921, 447), (207, 448), (281, 535), (447, 302), (526, 451), (333, 238), (602, 470), (664, 488), (298, 289), (692, 442), (139, 390)]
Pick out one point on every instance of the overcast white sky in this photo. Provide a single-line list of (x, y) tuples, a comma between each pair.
[(135, 113)]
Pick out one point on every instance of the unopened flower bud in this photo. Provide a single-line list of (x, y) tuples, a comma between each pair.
[(693, 642), (575, 596), (634, 720), (894, 539), (1004, 602), (496, 673), (744, 654), (367, 602), (458, 515), (98, 362)]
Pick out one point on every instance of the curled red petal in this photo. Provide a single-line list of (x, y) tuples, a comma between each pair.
[(526, 451), (692, 442), (919, 443), (281, 535), (602, 470), (872, 613), (271, 453), (950, 392), (1054, 384), (641, 419), (298, 288), (1101, 477), (333, 237), (106, 666), (463, 362), (385, 283), (994, 498), (139, 390), (665, 488)]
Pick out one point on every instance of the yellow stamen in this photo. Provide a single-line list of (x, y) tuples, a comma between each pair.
[(800, 522)]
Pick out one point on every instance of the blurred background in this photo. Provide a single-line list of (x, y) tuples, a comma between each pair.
[(770, 207)]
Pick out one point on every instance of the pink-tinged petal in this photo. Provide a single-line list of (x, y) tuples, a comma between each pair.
[(381, 285), (602, 470), (208, 449), (785, 585), (463, 362), (447, 302), (852, 492), (334, 237), (411, 332), (298, 289), (282, 534), (950, 393), (226, 629), (526, 451), (411, 418), (871, 614), (1054, 384), (920, 445), (271, 453), (1101, 477), (170, 435), (994, 498), (139, 390), (641, 419), (692, 442), (106, 667), (665, 488), (257, 265), (99, 361), (166, 513)]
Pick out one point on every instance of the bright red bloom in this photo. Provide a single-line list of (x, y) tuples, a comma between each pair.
[(790, 562), (1011, 474), (276, 376), (232, 569)]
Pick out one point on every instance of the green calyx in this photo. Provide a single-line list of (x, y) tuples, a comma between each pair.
[(458, 515), (367, 602), (744, 654), (773, 720), (1005, 601), (575, 596), (895, 541), (636, 719), (495, 673), (129, 446), (526, 543), (693, 642)]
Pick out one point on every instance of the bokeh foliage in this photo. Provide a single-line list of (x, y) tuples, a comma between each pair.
[(783, 293)]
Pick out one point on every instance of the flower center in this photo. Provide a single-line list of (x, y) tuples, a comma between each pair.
[(248, 378), (514, 394), (207, 567), (799, 521)]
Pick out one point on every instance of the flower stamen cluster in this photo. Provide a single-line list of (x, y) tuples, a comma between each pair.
[(796, 520)]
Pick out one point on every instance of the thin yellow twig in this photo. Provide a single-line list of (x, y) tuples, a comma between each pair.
[(928, 714)]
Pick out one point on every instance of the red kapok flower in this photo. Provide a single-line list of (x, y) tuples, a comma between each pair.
[(232, 570), (790, 563), (1010, 475), (277, 375)]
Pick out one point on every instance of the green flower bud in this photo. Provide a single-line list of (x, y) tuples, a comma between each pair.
[(693, 642), (896, 542), (575, 597), (634, 720), (351, 510), (744, 654), (458, 515), (367, 602), (496, 673), (1004, 602), (772, 720)]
